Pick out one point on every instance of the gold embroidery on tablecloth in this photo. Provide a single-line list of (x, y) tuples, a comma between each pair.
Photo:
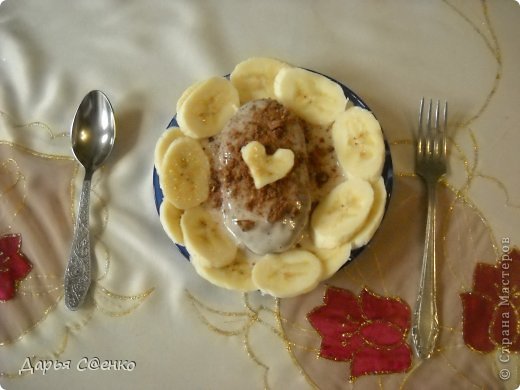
[(468, 233), (47, 311), (25, 288), (248, 318), (296, 325), (102, 204), (440, 352), (117, 305), (245, 317), (501, 186), (462, 193), (60, 349), (138, 299), (35, 153), (462, 156), (13, 123), (354, 267), (457, 371), (492, 49), (461, 198), (105, 301), (11, 168), (5, 169), (495, 51), (467, 202), (380, 274), (415, 367), (289, 348), (349, 275)]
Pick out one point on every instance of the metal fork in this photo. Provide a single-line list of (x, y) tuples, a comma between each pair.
[(430, 165)]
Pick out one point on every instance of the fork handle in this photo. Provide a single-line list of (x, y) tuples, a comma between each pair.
[(425, 328)]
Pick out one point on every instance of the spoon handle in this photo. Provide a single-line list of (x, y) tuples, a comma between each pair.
[(77, 275)]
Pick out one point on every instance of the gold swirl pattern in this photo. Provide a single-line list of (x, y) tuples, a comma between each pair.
[(466, 238), (43, 211), (465, 234)]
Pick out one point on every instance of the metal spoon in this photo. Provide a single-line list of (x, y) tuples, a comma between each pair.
[(93, 133)]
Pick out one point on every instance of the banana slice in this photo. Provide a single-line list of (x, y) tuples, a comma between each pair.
[(254, 78), (170, 217), (185, 173), (341, 213), (358, 141), (162, 145), (263, 168), (289, 274), (312, 96), (207, 239), (331, 259), (374, 216), (187, 92), (235, 276), (206, 109)]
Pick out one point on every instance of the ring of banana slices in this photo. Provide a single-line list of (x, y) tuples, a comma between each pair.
[(344, 218)]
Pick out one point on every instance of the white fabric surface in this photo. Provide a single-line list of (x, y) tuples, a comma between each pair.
[(143, 55)]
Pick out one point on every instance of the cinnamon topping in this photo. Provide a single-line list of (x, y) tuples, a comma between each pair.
[(272, 125)]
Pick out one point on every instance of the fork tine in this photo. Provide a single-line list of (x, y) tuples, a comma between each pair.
[(444, 130), (429, 141), (436, 136), (437, 115), (439, 137), (420, 135)]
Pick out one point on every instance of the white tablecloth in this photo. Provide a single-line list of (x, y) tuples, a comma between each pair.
[(150, 319)]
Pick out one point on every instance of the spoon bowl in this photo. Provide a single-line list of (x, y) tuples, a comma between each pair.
[(93, 134), (93, 130)]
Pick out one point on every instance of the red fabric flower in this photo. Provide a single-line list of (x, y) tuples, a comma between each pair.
[(491, 310), (14, 266), (369, 331)]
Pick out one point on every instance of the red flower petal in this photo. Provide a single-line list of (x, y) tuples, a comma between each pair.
[(487, 279), (337, 322), (383, 334), (393, 310), (340, 299), (10, 253), (6, 286), (477, 317), (341, 349), (370, 360), (339, 314), (14, 266), (10, 243), (19, 266)]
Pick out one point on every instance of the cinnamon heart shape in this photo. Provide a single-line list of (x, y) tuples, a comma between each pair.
[(266, 169)]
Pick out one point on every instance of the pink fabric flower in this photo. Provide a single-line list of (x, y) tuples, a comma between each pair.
[(369, 331), (491, 310), (14, 266)]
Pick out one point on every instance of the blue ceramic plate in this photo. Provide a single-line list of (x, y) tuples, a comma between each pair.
[(388, 172)]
